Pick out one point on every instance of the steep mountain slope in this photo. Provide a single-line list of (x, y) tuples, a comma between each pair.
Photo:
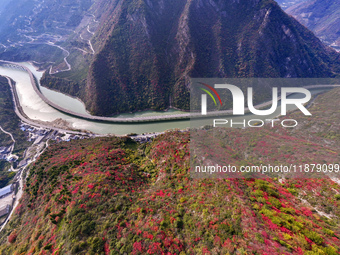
[(155, 46), (320, 16), (38, 17), (46, 32), (113, 196), (3, 6)]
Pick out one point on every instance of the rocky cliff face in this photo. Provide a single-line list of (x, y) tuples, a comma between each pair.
[(153, 47)]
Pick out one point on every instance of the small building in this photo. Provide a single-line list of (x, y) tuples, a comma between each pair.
[(6, 191), (4, 210)]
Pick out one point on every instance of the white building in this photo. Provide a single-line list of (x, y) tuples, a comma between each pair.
[(6, 191)]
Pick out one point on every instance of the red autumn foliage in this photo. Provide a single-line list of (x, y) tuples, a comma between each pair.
[(12, 237)]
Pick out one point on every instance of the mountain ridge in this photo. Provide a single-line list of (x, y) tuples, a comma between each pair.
[(211, 41)]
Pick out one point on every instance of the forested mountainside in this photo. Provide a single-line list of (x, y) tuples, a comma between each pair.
[(115, 196), (320, 16), (153, 47), (130, 55)]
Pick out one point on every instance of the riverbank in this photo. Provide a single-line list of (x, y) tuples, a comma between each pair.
[(58, 124)]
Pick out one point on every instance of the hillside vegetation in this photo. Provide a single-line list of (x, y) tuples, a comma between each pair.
[(114, 196)]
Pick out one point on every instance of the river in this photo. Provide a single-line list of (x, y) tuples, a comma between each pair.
[(36, 109)]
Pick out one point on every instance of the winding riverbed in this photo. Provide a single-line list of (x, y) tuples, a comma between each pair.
[(36, 109)]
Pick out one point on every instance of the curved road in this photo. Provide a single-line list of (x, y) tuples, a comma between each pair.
[(65, 59), (8, 134), (12, 146)]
